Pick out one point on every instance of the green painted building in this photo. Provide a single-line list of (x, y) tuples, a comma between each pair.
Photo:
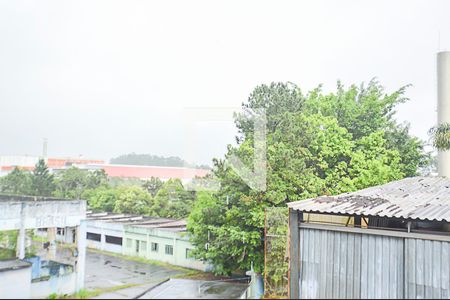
[(166, 242)]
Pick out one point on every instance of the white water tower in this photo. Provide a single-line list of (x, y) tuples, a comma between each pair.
[(443, 76)]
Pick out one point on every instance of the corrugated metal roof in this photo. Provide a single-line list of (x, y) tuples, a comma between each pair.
[(138, 220), (422, 198)]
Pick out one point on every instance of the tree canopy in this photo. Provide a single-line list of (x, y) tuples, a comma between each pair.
[(317, 144), (153, 160), (42, 183)]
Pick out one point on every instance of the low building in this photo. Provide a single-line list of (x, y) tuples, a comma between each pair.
[(153, 238), (167, 242), (147, 172), (26, 162), (396, 243), (105, 230), (36, 276), (15, 279)]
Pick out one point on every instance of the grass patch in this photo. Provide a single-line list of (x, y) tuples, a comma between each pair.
[(7, 254), (87, 294)]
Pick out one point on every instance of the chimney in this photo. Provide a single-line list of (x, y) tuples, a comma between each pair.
[(44, 149), (443, 76)]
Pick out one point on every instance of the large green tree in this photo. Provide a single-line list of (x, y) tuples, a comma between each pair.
[(102, 198), (153, 185), (17, 182), (42, 183), (132, 200), (73, 182), (318, 143), (172, 200)]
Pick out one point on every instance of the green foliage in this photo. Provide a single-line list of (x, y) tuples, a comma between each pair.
[(42, 181), (317, 144), (276, 260), (101, 199), (8, 244), (172, 200), (18, 182), (132, 200), (153, 185), (441, 136), (73, 182)]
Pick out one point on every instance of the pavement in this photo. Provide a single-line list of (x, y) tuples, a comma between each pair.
[(127, 293), (134, 279), (196, 289), (105, 271)]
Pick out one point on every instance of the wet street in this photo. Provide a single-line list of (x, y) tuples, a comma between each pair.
[(105, 271), (120, 278)]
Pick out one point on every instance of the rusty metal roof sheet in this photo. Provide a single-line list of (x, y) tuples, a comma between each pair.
[(422, 198)]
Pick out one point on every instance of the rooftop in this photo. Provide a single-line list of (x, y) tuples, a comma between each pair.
[(5, 197), (415, 198), (13, 264), (138, 221)]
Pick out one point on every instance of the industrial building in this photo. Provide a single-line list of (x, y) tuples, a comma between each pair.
[(26, 162), (154, 238), (395, 244), (39, 276), (8, 163)]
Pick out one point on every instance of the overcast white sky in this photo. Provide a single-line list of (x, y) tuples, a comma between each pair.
[(102, 78)]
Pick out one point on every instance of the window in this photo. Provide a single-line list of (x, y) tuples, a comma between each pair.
[(93, 236), (113, 240), (143, 247), (189, 254), (129, 243), (137, 246), (60, 231), (169, 249), (154, 247)]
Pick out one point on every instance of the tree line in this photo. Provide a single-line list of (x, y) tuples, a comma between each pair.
[(154, 160), (146, 197)]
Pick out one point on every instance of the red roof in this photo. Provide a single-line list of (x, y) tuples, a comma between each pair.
[(10, 168), (61, 162), (146, 172)]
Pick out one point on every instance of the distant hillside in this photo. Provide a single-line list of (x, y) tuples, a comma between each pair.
[(153, 160)]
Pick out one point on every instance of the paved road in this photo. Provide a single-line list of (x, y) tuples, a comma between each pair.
[(105, 271), (196, 289)]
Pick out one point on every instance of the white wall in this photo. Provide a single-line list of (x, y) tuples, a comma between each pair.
[(65, 284), (31, 213), (104, 228), (15, 284), (177, 240)]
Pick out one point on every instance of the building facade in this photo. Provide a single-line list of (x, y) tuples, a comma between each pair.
[(158, 239), (38, 277), (168, 245), (396, 246)]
